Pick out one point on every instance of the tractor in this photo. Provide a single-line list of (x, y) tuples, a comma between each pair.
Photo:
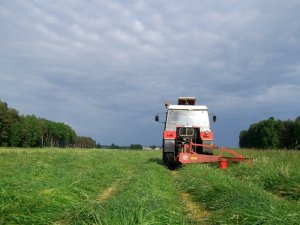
[(188, 138)]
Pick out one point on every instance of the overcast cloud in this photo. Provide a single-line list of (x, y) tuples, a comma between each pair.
[(106, 67)]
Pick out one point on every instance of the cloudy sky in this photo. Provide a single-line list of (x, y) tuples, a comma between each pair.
[(106, 67)]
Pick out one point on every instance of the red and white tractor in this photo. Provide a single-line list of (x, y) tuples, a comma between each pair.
[(188, 138)]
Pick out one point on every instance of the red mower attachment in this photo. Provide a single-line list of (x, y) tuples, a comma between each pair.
[(188, 155)]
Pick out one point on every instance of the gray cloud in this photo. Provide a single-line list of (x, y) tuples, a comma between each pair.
[(106, 67)]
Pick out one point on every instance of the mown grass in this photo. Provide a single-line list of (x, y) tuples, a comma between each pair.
[(74, 186), (44, 186), (37, 185), (147, 197)]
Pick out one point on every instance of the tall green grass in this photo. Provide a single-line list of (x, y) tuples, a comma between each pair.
[(266, 192), (274, 171)]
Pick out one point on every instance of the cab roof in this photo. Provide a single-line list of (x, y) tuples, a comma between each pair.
[(188, 107)]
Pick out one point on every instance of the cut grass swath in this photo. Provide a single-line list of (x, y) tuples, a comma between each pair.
[(148, 198), (38, 186), (65, 187)]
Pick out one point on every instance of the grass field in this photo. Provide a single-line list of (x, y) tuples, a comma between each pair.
[(74, 186)]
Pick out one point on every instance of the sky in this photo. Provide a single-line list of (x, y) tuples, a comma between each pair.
[(106, 67)]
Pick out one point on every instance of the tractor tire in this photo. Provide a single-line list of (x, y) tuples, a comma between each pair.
[(169, 160)]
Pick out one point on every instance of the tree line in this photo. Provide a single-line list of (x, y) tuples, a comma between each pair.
[(29, 131), (272, 134), (114, 146)]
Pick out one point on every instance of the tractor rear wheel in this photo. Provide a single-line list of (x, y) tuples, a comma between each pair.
[(169, 160)]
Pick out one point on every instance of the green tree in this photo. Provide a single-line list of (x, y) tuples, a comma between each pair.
[(243, 139), (153, 147), (269, 133), (30, 131), (98, 145), (8, 117), (113, 146), (15, 137), (26, 133), (136, 146), (85, 142), (286, 134), (297, 132)]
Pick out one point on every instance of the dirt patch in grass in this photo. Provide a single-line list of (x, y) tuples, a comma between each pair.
[(107, 193), (195, 212), (60, 222), (114, 188)]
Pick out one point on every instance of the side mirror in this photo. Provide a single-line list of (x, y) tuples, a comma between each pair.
[(157, 118), (214, 118)]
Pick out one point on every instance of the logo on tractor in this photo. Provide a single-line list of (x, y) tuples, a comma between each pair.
[(185, 157)]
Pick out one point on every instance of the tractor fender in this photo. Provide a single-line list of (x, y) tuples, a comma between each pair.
[(169, 145)]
